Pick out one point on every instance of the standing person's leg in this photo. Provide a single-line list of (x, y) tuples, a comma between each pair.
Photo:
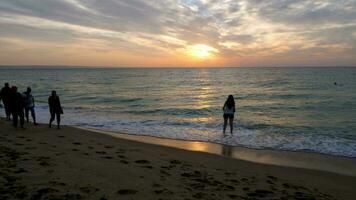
[(225, 123), (33, 114), (22, 118), (7, 111), (231, 122), (26, 114), (14, 119), (58, 120), (51, 119)]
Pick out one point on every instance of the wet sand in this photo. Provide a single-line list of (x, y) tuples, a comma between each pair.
[(44, 163)]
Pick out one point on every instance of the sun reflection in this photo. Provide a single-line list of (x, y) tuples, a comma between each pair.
[(198, 146)]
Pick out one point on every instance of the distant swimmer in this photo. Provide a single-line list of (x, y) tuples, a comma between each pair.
[(29, 105), (55, 109), (229, 111), (335, 83)]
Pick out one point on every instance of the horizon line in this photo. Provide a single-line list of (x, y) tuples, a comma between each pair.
[(165, 67)]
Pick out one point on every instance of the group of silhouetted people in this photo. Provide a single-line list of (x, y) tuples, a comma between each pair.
[(19, 105)]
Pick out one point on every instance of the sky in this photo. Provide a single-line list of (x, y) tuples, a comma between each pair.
[(178, 33)]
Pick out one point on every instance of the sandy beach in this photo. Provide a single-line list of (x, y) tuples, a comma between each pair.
[(44, 163)]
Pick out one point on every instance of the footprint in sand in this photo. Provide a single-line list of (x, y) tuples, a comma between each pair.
[(43, 160), (119, 151), (163, 172), (156, 185), (233, 196), (21, 170), (164, 190), (260, 193), (142, 161), (100, 152), (75, 150), (61, 136), (56, 183), (233, 181), (176, 162), (88, 189), (108, 147), (124, 162), (77, 143), (127, 192), (107, 157), (272, 177)]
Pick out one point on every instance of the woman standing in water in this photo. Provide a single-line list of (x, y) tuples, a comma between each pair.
[(229, 111)]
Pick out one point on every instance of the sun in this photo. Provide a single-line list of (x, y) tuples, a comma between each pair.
[(201, 51)]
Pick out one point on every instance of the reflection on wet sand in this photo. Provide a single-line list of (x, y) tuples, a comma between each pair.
[(226, 150), (336, 164)]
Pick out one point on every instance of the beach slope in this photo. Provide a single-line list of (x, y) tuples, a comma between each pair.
[(44, 163)]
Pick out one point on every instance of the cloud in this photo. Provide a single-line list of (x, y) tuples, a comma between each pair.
[(240, 30)]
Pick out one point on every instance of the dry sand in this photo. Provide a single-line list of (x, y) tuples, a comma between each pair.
[(44, 163)]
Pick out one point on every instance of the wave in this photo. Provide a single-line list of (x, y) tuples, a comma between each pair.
[(259, 136), (189, 112)]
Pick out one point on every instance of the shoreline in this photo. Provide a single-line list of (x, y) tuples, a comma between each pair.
[(306, 160), (71, 163)]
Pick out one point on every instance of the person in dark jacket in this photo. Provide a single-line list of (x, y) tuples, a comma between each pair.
[(17, 106), (55, 109), (29, 105), (5, 95)]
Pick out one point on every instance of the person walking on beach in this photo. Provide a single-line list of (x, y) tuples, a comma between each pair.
[(17, 106), (30, 105), (55, 109), (5, 94), (229, 111)]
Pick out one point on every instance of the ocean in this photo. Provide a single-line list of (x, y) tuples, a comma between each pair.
[(295, 109)]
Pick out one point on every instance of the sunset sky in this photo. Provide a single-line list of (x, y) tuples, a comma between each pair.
[(178, 33)]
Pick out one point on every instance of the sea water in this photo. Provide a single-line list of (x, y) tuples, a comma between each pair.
[(297, 109)]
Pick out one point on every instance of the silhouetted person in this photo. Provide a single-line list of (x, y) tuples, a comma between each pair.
[(229, 111), (30, 105), (17, 105), (55, 109), (5, 95)]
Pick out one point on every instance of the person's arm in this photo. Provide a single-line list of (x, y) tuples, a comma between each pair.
[(224, 105), (33, 101)]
